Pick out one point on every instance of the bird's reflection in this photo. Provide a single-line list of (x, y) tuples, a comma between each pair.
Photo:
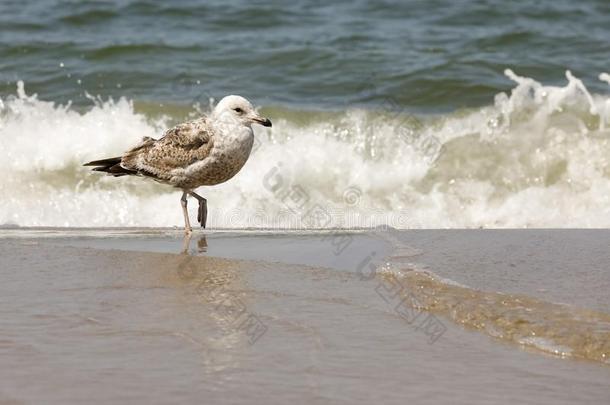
[(218, 286), (192, 267), (202, 244)]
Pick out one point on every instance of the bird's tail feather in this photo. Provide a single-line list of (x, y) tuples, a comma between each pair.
[(111, 166)]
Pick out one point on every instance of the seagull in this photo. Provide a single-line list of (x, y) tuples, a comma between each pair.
[(207, 151)]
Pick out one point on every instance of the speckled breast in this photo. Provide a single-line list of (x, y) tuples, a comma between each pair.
[(224, 163)]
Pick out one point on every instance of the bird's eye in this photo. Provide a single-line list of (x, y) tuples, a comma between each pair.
[(238, 110)]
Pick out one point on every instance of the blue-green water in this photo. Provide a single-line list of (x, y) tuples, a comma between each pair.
[(428, 55), (415, 114)]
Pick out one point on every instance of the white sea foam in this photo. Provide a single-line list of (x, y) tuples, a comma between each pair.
[(546, 345), (537, 157)]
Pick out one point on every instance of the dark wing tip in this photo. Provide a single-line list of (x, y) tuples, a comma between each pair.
[(104, 162)]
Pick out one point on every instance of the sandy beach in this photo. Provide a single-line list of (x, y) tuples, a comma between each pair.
[(261, 316)]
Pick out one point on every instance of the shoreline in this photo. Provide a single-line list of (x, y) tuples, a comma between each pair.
[(320, 315)]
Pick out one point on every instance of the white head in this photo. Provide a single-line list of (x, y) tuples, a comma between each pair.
[(238, 109)]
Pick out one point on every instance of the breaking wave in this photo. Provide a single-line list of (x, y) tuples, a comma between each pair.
[(537, 157)]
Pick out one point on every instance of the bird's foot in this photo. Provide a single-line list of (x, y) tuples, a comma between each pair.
[(202, 214)]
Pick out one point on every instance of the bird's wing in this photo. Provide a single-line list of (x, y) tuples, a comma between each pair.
[(180, 147)]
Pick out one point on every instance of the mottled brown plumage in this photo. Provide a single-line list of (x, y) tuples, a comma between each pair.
[(180, 147)]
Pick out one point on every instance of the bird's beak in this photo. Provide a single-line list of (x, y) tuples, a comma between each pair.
[(262, 120)]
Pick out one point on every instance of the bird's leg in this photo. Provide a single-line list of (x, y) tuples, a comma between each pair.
[(187, 224), (202, 214)]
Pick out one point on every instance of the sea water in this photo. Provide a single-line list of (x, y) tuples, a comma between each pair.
[(412, 114)]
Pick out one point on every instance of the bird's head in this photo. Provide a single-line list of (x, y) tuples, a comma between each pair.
[(239, 110)]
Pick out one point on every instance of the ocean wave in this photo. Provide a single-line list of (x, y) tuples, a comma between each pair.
[(557, 329), (536, 157)]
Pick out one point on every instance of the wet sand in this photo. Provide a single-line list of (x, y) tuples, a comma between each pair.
[(263, 317)]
